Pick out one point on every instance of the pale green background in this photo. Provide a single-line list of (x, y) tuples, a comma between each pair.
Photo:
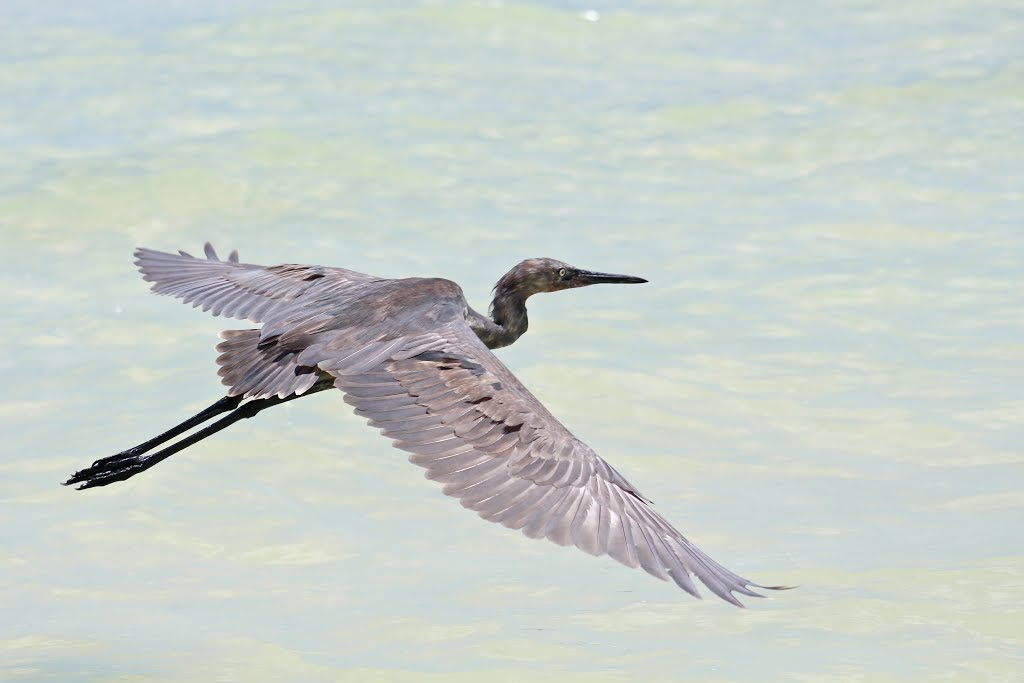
[(822, 384)]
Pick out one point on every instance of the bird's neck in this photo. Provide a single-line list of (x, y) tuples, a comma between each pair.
[(507, 321)]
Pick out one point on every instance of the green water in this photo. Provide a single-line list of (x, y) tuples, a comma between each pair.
[(823, 383)]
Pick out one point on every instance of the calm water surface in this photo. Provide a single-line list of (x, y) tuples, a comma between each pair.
[(821, 385)]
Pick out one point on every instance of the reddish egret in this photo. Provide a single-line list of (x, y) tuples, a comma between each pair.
[(414, 359)]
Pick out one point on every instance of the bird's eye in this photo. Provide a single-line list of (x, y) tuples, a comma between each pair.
[(562, 273)]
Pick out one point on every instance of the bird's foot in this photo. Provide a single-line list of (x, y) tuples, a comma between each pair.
[(117, 467)]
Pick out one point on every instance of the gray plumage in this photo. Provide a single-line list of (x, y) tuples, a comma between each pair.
[(414, 359)]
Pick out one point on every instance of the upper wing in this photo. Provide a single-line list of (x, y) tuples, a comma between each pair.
[(466, 418), (308, 312), (243, 290)]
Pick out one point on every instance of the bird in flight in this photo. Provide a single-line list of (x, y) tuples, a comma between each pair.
[(415, 360)]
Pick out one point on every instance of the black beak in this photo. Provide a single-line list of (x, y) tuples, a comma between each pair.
[(589, 278)]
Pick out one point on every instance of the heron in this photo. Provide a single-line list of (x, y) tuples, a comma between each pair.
[(415, 360)]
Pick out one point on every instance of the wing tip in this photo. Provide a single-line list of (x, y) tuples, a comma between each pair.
[(745, 590)]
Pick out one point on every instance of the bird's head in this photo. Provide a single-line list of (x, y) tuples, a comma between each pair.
[(536, 275)]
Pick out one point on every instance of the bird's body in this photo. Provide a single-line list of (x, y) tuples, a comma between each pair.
[(413, 358)]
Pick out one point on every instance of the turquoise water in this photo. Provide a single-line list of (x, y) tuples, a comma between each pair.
[(821, 385)]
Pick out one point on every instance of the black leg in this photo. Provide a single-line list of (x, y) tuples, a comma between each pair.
[(132, 461), (224, 405)]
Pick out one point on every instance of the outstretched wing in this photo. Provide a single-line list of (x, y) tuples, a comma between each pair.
[(297, 305), (476, 429), (243, 290)]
